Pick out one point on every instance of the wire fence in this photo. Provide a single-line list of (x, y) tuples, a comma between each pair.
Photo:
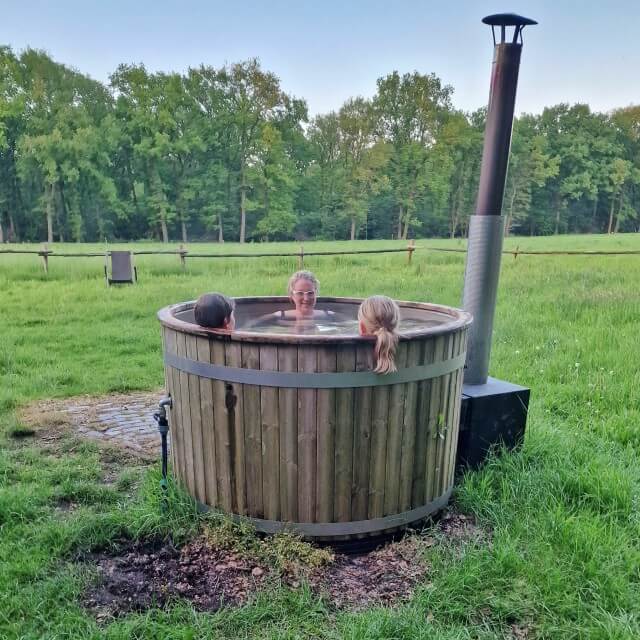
[(45, 253)]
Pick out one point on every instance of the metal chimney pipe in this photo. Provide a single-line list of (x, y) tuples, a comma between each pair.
[(486, 227)]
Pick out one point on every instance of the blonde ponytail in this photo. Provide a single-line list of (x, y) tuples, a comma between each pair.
[(385, 351), (380, 316)]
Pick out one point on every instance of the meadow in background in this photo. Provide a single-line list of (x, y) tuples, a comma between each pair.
[(563, 560)]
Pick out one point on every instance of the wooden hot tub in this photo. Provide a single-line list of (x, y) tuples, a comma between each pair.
[(296, 431)]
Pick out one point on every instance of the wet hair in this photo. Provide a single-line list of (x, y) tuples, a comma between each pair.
[(380, 316), (213, 310), (303, 275)]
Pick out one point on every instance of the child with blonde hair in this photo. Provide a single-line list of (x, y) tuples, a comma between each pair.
[(379, 316)]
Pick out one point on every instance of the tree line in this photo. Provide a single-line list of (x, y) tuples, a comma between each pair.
[(226, 154)]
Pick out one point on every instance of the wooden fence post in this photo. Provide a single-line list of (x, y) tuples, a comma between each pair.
[(301, 258), (44, 253), (411, 247), (515, 253), (183, 252)]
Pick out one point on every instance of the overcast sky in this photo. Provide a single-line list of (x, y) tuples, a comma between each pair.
[(327, 51)]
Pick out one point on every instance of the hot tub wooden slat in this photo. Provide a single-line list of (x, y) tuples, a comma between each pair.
[(180, 451), (397, 395), (407, 452), (208, 426), (288, 408), (189, 476), (270, 437), (451, 408), (167, 339), (361, 436), (345, 361), (378, 460), (174, 415), (456, 416), (432, 429), (442, 421), (196, 423), (233, 358), (443, 418), (326, 424), (449, 411), (427, 355), (252, 434), (222, 435), (455, 426), (457, 421), (307, 438)]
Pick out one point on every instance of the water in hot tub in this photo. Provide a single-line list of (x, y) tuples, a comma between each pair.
[(329, 324)]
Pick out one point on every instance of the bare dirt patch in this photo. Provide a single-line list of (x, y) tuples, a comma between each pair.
[(459, 529), (520, 631), (140, 576), (386, 576)]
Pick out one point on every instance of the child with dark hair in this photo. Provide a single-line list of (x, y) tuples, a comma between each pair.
[(215, 311)]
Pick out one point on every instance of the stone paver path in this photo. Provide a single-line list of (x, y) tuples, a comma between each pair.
[(124, 420)]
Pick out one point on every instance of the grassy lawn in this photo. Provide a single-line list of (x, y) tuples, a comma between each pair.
[(564, 556)]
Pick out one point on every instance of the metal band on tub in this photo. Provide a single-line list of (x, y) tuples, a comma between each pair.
[(303, 380), (356, 527)]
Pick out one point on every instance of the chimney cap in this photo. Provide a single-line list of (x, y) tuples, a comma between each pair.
[(507, 20), (504, 20)]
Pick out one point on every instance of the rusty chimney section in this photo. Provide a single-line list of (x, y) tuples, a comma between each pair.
[(486, 227)]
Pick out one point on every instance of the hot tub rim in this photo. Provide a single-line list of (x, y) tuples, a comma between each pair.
[(460, 319)]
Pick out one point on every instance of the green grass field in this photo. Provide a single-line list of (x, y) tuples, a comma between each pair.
[(564, 556)]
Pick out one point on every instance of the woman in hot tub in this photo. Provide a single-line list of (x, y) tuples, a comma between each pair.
[(303, 288)]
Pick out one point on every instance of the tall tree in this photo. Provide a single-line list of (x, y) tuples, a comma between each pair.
[(12, 125), (627, 125), (584, 143), (254, 97), (362, 163), (214, 183), (410, 112), (274, 177), (326, 171), (157, 114), (529, 167), (64, 110)]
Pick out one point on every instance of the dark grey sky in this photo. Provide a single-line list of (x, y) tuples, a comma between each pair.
[(329, 51)]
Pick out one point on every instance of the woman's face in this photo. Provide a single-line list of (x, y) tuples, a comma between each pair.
[(304, 297)]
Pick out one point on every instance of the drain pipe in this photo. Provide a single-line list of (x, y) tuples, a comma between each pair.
[(486, 227), (160, 417)]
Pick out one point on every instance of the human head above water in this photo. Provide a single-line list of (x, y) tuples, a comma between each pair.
[(303, 275), (379, 316), (303, 289), (214, 310)]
